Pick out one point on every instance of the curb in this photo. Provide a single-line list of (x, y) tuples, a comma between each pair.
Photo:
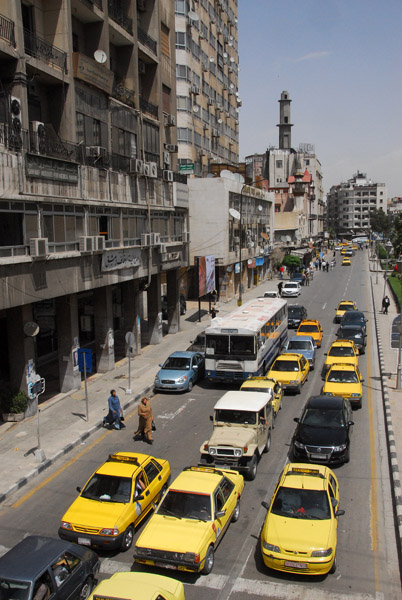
[(393, 460), (66, 449)]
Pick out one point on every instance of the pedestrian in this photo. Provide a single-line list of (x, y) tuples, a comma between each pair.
[(281, 271), (319, 263), (323, 263), (213, 312), (145, 421), (316, 265), (115, 413), (280, 284), (307, 278), (385, 304), (327, 266)]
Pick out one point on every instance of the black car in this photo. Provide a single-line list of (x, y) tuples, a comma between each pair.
[(299, 277), (354, 333), (355, 318), (182, 304), (39, 567), (296, 314), (323, 431)]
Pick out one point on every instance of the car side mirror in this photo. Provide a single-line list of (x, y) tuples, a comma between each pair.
[(296, 419), (339, 513), (362, 380), (325, 354), (195, 367), (160, 365), (220, 513), (211, 418), (350, 423), (265, 504), (78, 489)]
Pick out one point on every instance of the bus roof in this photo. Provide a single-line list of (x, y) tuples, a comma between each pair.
[(248, 318)]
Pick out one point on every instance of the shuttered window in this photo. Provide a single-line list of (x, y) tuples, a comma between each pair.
[(165, 44)]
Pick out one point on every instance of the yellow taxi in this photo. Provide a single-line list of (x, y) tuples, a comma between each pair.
[(344, 380), (114, 501), (191, 520), (354, 247), (343, 251), (261, 384), (311, 327), (300, 529), (346, 262), (344, 306), (290, 370), (341, 351), (138, 586)]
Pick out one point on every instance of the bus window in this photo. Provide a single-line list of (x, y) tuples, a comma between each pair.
[(217, 344), (242, 344)]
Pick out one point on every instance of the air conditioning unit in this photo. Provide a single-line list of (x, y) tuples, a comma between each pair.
[(215, 133), (99, 242), (38, 247), (195, 90), (96, 151), (16, 122), (212, 20), (168, 175), (170, 120), (205, 67), (141, 67), (154, 239), (166, 158), (39, 138), (87, 243), (162, 248), (146, 169), (210, 102), (219, 107), (219, 30), (171, 147), (144, 239), (151, 169), (205, 126), (136, 165), (231, 70), (202, 36)]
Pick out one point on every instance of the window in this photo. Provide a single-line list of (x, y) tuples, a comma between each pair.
[(166, 99), (165, 41), (184, 135), (183, 72), (279, 164), (226, 488), (151, 471), (184, 103), (181, 40), (181, 7)]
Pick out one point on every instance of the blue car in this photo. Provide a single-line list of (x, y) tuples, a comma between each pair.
[(180, 371), (303, 344)]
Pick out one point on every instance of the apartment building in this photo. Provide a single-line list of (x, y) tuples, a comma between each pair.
[(207, 84), (94, 214), (349, 204)]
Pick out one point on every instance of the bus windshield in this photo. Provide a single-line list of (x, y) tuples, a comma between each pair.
[(230, 345)]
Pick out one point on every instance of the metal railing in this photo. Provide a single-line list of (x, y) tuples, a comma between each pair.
[(55, 147), (38, 48), (147, 40), (10, 251), (55, 248), (7, 30), (125, 95), (148, 107), (116, 13)]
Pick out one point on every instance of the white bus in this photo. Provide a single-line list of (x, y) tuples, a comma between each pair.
[(245, 342)]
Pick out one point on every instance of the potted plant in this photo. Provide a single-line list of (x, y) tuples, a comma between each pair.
[(13, 405)]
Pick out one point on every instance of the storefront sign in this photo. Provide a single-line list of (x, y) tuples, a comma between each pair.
[(251, 263), (187, 169), (42, 167), (87, 69), (259, 261), (121, 259), (237, 268)]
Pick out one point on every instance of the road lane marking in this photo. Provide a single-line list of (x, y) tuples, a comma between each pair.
[(323, 308), (110, 567), (169, 416), (216, 582)]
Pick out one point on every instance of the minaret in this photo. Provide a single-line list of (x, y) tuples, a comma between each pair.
[(284, 122)]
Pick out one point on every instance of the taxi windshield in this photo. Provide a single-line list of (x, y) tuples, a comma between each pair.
[(108, 488), (342, 377), (313, 328), (236, 417), (286, 365), (14, 590), (301, 504), (186, 505), (346, 307), (341, 351)]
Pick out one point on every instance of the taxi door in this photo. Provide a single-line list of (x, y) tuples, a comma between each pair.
[(304, 365), (224, 504)]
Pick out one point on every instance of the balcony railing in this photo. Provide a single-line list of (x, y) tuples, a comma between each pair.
[(38, 48), (55, 147), (7, 30), (149, 108), (120, 92), (116, 13), (147, 40)]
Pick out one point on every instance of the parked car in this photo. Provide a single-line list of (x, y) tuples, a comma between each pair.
[(180, 371), (299, 277), (354, 333), (296, 314), (323, 431), (356, 318), (47, 567), (303, 344), (290, 289), (182, 304), (139, 586)]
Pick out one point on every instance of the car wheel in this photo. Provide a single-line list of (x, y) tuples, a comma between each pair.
[(252, 468), (333, 568), (298, 390), (236, 512), (86, 589), (209, 561), (162, 492), (127, 540), (362, 350), (190, 385), (267, 446), (312, 366)]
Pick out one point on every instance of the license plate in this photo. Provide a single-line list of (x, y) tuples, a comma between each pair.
[(295, 565), (318, 456), (84, 541), (165, 566)]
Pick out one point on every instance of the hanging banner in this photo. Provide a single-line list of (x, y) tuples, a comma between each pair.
[(206, 274)]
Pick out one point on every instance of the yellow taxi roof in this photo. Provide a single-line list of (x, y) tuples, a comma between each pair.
[(304, 476), (342, 343), (288, 355), (201, 480), (343, 367), (309, 322), (347, 302), (134, 586), (124, 464), (258, 382)]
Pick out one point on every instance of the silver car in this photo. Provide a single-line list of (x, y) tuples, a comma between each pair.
[(290, 289), (303, 344)]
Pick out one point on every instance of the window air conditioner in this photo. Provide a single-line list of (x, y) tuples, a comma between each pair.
[(162, 248), (87, 243), (99, 242), (166, 158), (144, 239), (170, 120), (171, 147), (146, 169), (96, 151), (136, 165), (195, 90), (154, 239), (38, 129), (168, 175), (38, 247), (153, 169)]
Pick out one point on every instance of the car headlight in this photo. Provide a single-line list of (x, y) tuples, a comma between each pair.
[(237, 452), (299, 445), (156, 380), (355, 395), (328, 394), (270, 547), (326, 552), (191, 557), (340, 448), (294, 381), (212, 451), (140, 550), (182, 379), (66, 525), (109, 531)]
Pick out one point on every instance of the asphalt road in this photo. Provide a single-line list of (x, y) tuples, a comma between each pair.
[(366, 556)]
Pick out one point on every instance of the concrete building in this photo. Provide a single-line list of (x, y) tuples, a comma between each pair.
[(394, 205), (349, 204), (94, 216), (207, 84), (241, 247)]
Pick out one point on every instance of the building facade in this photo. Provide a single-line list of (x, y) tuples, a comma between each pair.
[(349, 204), (94, 215), (207, 84)]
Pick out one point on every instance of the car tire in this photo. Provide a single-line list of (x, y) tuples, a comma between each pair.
[(86, 589), (236, 512), (298, 389), (333, 568), (267, 446), (312, 366), (252, 468), (362, 351), (162, 492), (209, 561), (190, 385), (127, 540)]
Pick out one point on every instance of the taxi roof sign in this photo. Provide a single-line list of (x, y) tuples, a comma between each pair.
[(124, 458)]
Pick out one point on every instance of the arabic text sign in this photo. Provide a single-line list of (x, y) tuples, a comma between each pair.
[(121, 259)]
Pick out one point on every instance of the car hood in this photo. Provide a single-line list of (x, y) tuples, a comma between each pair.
[(342, 388), (173, 373), (173, 534), (236, 435), (308, 354), (321, 436), (93, 513), (300, 535), (286, 376)]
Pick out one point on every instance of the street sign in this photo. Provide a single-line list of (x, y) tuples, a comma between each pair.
[(187, 169), (36, 388), (396, 332), (88, 360)]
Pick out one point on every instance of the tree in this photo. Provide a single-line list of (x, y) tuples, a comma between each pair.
[(397, 236), (379, 221), (291, 262)]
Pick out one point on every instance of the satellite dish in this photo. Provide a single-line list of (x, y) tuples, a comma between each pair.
[(259, 207), (226, 174), (232, 86), (239, 177), (288, 238), (196, 108), (232, 59), (100, 56), (234, 213), (193, 15), (230, 43), (220, 121), (31, 329), (231, 38), (211, 59), (283, 238), (225, 55), (249, 261)]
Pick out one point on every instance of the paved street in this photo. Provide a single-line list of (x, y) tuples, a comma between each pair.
[(367, 553)]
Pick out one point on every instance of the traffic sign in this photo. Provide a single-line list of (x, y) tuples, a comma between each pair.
[(36, 388), (88, 360), (187, 169)]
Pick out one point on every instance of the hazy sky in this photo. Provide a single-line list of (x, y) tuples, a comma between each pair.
[(341, 62)]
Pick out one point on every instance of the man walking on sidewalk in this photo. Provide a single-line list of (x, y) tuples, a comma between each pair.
[(385, 304), (145, 421)]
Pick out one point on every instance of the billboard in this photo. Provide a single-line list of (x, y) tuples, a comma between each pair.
[(206, 274)]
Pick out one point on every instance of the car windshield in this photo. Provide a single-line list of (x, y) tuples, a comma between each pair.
[(341, 351), (14, 590), (265, 390), (346, 307), (291, 285), (309, 328), (177, 363), (299, 345), (322, 417), (230, 345), (342, 377), (353, 317), (285, 365), (186, 505), (270, 295), (301, 504), (294, 312), (236, 417), (108, 488), (349, 333)]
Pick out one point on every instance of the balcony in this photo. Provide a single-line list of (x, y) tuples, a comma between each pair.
[(149, 108), (42, 50), (147, 40), (125, 95), (53, 146), (117, 14), (7, 30)]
